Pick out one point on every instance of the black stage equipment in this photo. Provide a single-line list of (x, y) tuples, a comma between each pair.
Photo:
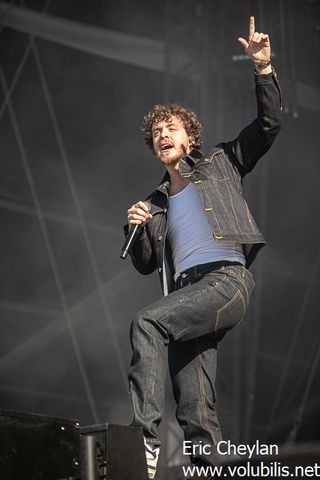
[(38, 447), (112, 452)]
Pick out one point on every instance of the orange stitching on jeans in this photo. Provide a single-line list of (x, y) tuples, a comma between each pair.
[(222, 309), (202, 395)]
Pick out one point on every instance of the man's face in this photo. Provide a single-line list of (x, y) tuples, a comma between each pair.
[(169, 137)]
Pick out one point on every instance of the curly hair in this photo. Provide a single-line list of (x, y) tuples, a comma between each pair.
[(161, 113)]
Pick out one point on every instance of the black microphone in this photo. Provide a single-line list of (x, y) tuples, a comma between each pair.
[(131, 237)]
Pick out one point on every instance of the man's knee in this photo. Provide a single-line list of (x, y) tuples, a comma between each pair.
[(145, 324), (138, 322)]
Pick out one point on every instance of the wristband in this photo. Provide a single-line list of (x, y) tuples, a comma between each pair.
[(262, 64)]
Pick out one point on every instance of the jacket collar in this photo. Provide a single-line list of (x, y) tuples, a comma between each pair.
[(186, 165), (188, 162), (163, 186)]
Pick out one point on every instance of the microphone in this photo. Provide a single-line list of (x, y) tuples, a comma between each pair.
[(131, 237)]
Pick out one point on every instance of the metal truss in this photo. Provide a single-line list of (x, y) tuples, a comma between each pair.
[(27, 209), (187, 55), (186, 59), (8, 90)]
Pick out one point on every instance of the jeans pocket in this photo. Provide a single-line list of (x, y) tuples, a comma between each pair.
[(230, 314)]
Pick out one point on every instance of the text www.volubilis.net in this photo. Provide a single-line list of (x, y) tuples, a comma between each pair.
[(260, 470)]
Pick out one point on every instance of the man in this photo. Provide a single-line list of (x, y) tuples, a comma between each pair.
[(196, 229)]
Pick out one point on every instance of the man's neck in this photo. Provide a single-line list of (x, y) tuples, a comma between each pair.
[(177, 181)]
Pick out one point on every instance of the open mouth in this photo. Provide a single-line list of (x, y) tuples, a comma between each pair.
[(166, 146)]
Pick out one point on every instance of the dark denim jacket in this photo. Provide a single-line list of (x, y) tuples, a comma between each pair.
[(218, 179)]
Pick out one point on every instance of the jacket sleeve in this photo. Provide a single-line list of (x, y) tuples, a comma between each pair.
[(142, 255), (256, 139)]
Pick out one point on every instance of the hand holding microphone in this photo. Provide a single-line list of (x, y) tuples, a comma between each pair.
[(138, 215)]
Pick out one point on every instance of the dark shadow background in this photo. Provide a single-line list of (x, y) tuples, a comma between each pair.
[(72, 162)]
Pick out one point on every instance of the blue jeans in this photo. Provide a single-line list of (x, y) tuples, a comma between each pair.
[(184, 328)]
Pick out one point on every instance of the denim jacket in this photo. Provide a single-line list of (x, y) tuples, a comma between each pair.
[(218, 180)]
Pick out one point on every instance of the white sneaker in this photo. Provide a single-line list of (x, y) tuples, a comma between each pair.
[(152, 457)]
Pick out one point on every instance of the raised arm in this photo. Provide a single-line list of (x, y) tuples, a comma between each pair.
[(256, 139)]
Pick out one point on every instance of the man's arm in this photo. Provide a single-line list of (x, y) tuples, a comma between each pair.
[(142, 255), (256, 139)]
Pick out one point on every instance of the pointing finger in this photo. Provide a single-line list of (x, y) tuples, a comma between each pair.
[(251, 27)]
